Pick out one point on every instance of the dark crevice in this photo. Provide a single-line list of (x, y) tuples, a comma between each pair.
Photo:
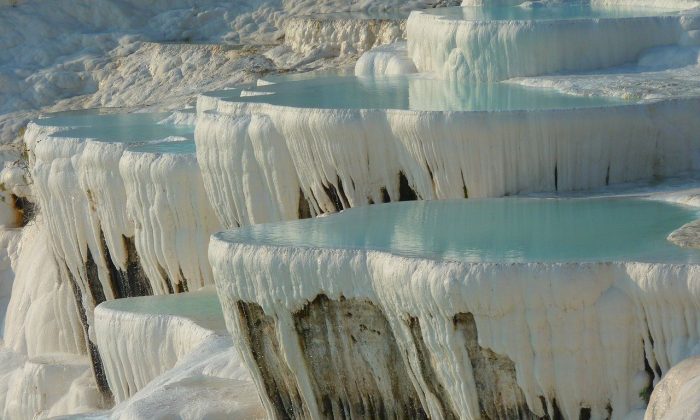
[(93, 279), (430, 173), (607, 176), (385, 195), (657, 368), (406, 193), (342, 342), (164, 276), (556, 178), (343, 197), (138, 282), (498, 393), (133, 281), (645, 393), (584, 414), (260, 331), (24, 208), (181, 285), (465, 191), (427, 371), (304, 210), (96, 361), (557, 411), (332, 193)]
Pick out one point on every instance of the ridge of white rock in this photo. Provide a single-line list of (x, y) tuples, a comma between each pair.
[(342, 158), (119, 230), (659, 4), (172, 218), (578, 336), (494, 50), (671, 71), (140, 338), (341, 33)]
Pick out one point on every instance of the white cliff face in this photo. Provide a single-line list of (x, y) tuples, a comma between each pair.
[(41, 315), (257, 163), (119, 230), (131, 211), (44, 365), (341, 33), (52, 385), (172, 219), (494, 50), (9, 239), (349, 158), (447, 339), (578, 335)]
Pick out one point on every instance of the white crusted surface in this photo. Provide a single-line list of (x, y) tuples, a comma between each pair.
[(442, 154), (576, 332), (499, 50), (386, 60)]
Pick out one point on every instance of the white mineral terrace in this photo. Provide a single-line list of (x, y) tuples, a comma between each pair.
[(335, 142), (122, 223), (498, 42), (140, 338), (584, 299), (122, 297), (155, 343)]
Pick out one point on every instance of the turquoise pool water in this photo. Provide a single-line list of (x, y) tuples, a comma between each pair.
[(413, 92), (540, 11), (495, 230), (100, 117), (174, 147), (202, 307), (117, 127)]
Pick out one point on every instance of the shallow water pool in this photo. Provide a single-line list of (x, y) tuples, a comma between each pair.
[(495, 230), (413, 92)]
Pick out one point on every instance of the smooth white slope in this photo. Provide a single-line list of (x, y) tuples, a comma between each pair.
[(43, 361)]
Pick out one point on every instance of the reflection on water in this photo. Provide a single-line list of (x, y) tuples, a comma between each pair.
[(201, 306), (117, 127), (494, 230), (170, 146), (415, 92)]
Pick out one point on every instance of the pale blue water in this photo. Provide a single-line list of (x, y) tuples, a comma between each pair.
[(495, 230), (201, 306), (100, 117), (413, 92), (117, 127), (130, 133), (539, 11), (174, 147)]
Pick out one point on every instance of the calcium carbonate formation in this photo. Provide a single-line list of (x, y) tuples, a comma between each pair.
[(331, 332)]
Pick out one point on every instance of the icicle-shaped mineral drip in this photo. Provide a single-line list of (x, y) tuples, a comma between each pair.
[(166, 201)]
